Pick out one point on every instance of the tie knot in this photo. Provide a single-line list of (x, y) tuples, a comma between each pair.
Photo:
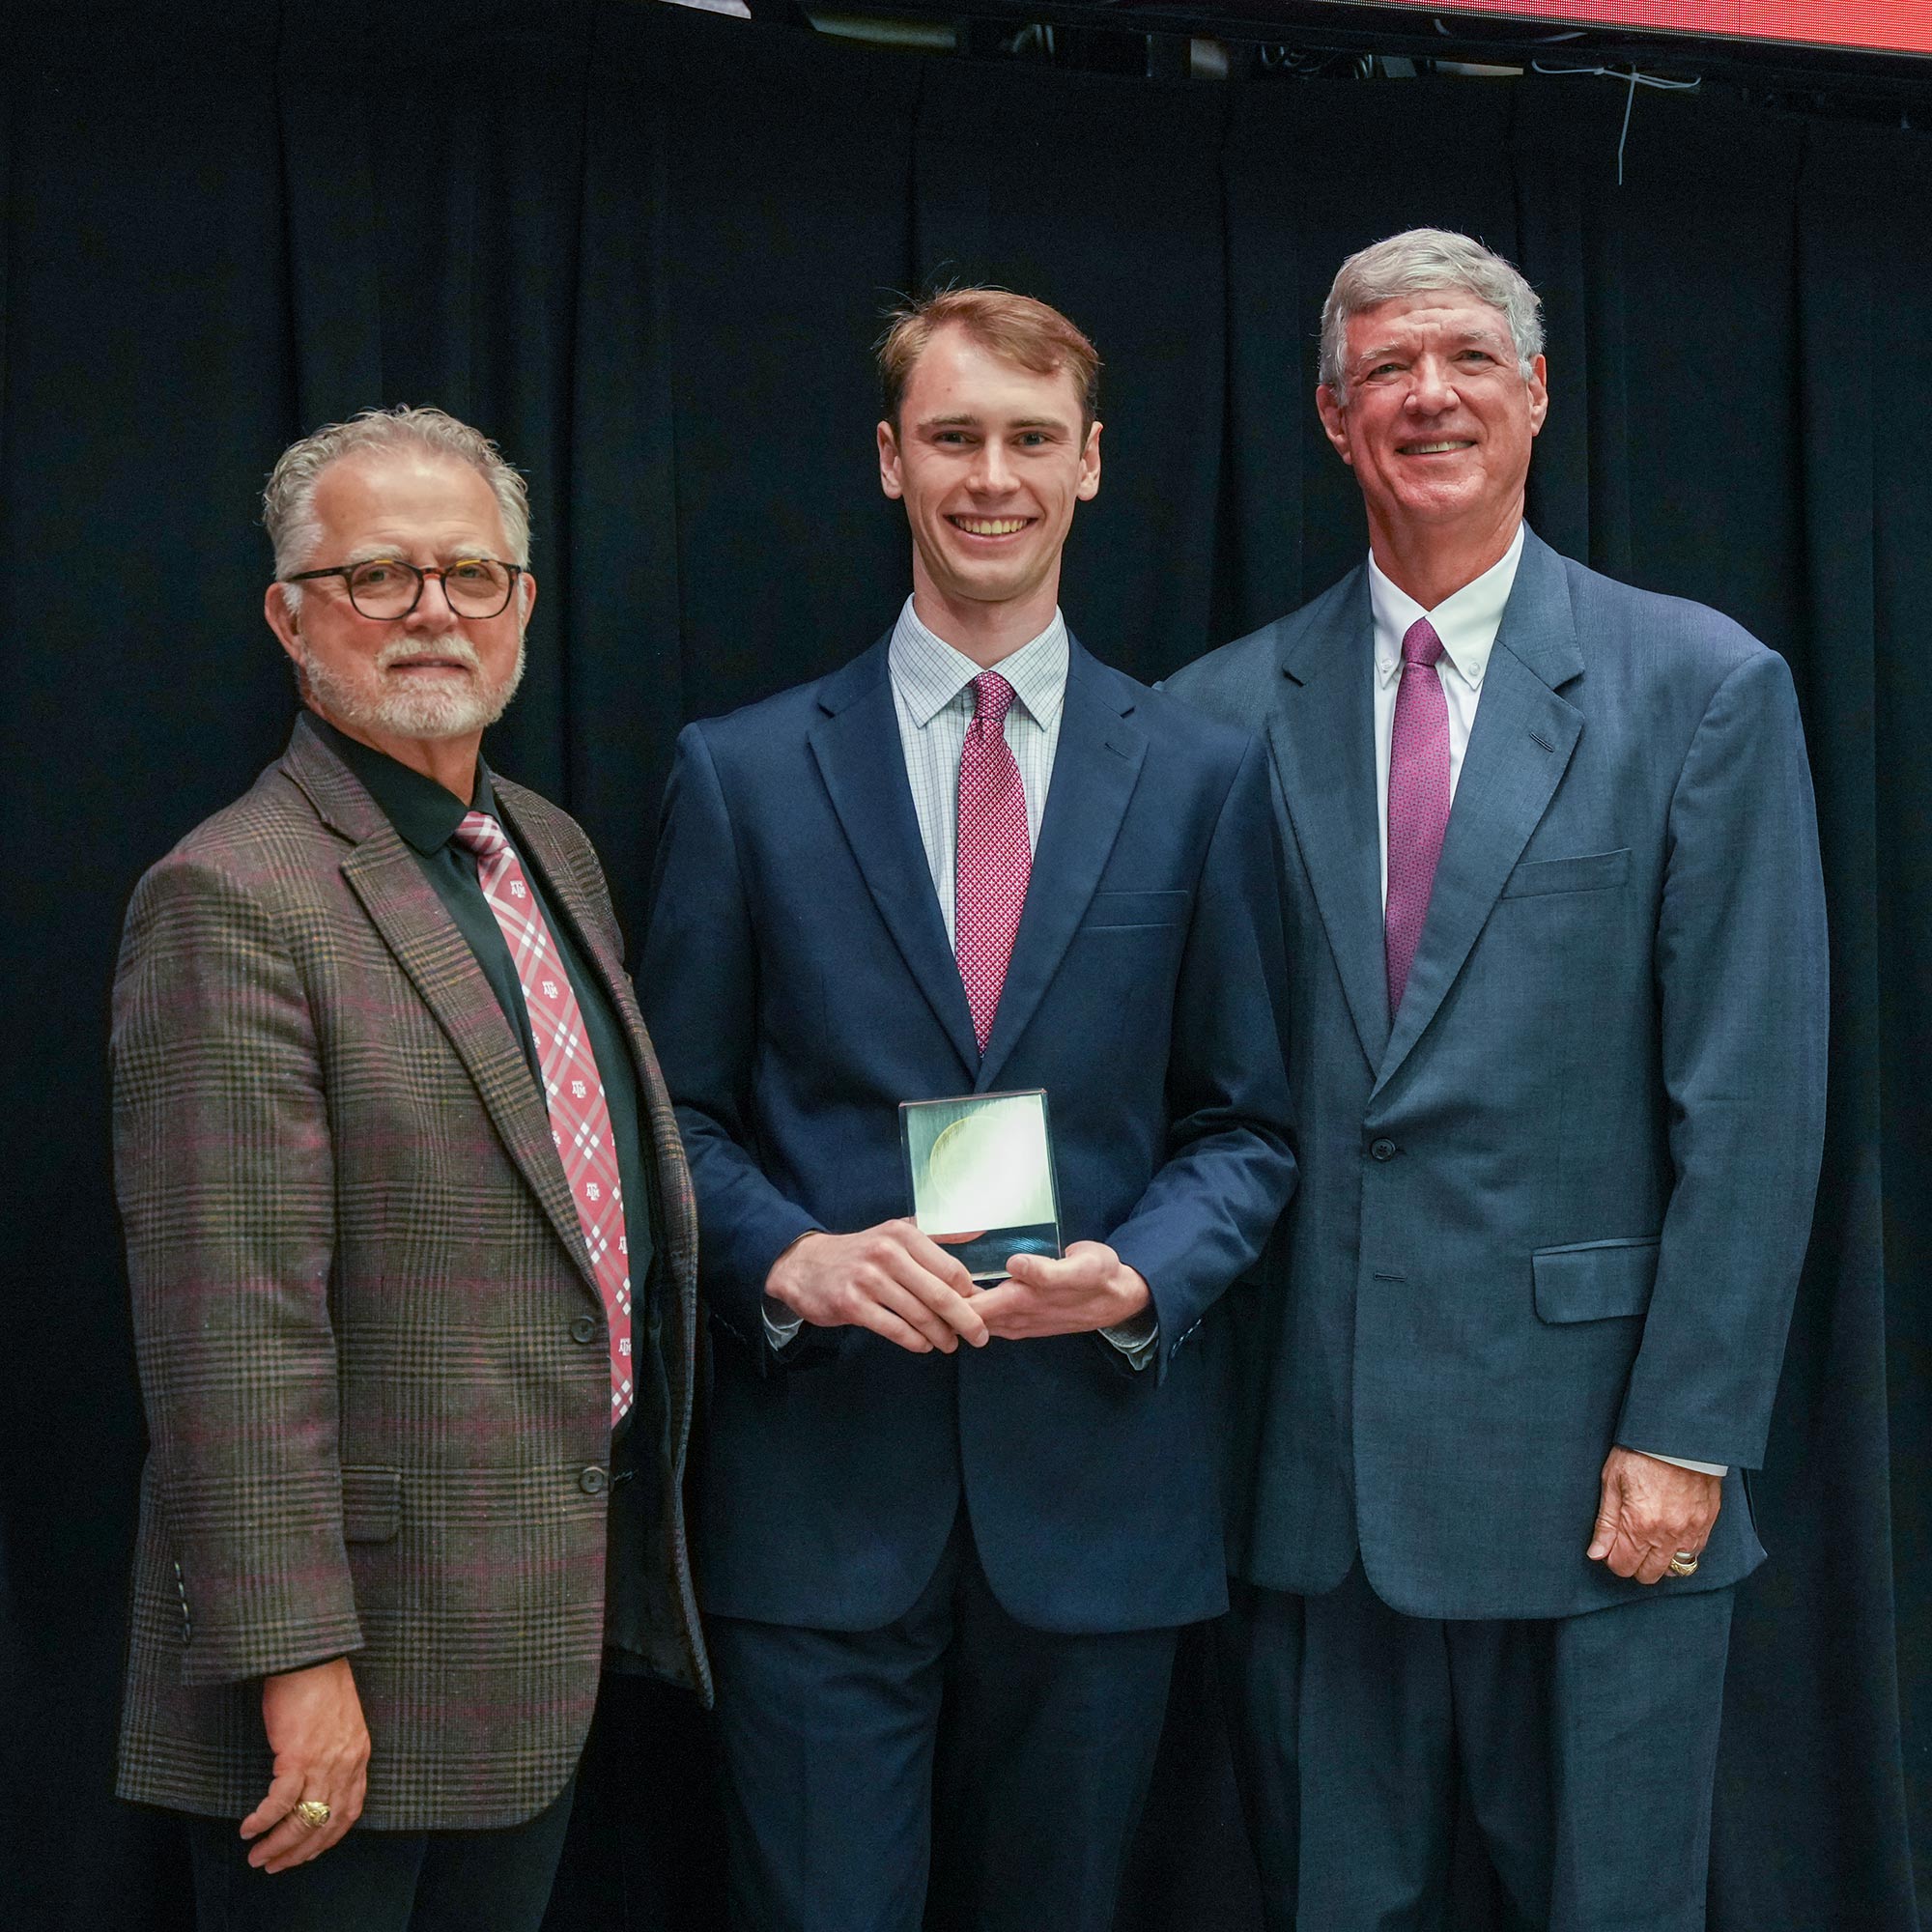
[(480, 834), (1420, 645), (992, 697)]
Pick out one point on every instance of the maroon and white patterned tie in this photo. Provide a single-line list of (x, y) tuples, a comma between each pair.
[(580, 1117), (1418, 800), (995, 855)]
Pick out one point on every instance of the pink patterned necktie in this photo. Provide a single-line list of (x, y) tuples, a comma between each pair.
[(579, 1120), (1418, 800), (995, 856)]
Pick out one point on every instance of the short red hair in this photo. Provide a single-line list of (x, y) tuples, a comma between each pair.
[(1016, 328)]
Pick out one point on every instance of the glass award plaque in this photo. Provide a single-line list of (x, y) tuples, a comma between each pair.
[(981, 1175)]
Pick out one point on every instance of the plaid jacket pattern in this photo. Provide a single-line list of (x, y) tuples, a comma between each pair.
[(379, 1419)]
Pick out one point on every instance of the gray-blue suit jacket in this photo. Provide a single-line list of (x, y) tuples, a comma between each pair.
[(1563, 1201)]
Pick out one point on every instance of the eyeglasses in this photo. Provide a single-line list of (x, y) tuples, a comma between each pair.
[(386, 589)]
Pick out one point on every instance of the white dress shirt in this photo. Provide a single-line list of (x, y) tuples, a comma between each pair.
[(1466, 622), (932, 692)]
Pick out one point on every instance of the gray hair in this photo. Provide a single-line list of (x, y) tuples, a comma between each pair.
[(288, 503), (1413, 261)]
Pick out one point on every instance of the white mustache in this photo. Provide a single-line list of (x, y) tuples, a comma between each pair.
[(452, 644)]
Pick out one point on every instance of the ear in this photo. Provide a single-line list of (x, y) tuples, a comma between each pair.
[(1334, 416), (526, 598), (1539, 395), (283, 622), (889, 479), (1088, 486)]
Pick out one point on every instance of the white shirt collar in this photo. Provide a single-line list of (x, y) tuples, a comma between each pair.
[(928, 673), (1466, 621)]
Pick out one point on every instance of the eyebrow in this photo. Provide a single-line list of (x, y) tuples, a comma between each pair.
[(395, 552), (1485, 338), (967, 420)]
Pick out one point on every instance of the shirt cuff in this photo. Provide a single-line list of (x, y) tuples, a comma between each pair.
[(1685, 1462), (1136, 1339), (780, 1329)]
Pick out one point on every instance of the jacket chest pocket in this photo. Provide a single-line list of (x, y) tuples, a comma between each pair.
[(1124, 912), (1589, 873)]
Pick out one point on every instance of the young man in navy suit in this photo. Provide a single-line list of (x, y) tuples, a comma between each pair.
[(1558, 1030), (944, 1581)]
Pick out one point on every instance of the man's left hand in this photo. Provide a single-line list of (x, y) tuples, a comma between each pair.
[(313, 1719), (1650, 1511), (1091, 1288)]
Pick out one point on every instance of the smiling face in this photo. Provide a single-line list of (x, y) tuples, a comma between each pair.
[(431, 676), (990, 458), (1436, 421)]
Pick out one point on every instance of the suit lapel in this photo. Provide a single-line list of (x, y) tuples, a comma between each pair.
[(403, 906), (1095, 766), (1322, 732), (857, 749), (1519, 750)]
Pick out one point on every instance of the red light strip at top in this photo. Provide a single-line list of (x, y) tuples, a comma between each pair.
[(1903, 26)]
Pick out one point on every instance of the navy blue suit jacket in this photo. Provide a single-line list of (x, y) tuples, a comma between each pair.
[(1562, 1201), (800, 985)]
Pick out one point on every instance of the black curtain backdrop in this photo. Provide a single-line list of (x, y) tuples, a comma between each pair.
[(647, 251)]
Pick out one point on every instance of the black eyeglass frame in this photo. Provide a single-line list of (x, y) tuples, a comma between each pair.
[(422, 573)]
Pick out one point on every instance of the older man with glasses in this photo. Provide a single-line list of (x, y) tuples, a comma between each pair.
[(412, 1249)]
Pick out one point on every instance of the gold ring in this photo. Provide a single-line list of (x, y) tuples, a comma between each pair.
[(1683, 1563), (312, 1812)]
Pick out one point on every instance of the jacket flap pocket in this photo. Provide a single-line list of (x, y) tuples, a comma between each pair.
[(1593, 1280), (1589, 873), (1136, 909), (372, 1504)]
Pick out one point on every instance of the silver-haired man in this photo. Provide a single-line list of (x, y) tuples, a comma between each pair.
[(1551, 879), (402, 1190)]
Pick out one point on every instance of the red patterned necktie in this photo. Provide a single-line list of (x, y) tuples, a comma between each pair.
[(995, 854), (579, 1120), (1418, 800)]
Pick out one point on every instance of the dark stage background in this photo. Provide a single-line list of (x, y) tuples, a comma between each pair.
[(647, 250)]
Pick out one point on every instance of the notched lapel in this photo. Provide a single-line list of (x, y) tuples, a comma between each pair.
[(1321, 734), (1519, 750), (1096, 767), (860, 759), (415, 924), (403, 906)]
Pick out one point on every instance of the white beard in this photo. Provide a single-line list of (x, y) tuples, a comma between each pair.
[(428, 711)]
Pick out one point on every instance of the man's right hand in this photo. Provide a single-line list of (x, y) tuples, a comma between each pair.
[(314, 1720), (891, 1279)]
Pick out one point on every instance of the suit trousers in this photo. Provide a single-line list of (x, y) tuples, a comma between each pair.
[(1586, 1747), (955, 1770), (385, 1881)]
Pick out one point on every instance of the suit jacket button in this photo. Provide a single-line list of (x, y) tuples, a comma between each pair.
[(593, 1481), (1382, 1149), (584, 1330)]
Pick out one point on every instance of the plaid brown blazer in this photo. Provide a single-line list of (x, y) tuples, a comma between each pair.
[(379, 1423)]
